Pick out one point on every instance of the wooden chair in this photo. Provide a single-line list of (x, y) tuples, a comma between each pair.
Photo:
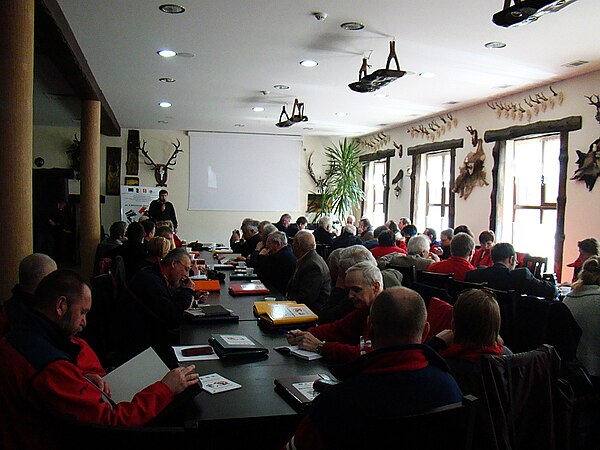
[(439, 280), (448, 427), (537, 265), (457, 286)]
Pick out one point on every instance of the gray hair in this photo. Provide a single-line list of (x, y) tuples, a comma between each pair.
[(305, 240), (33, 269), (418, 244), (449, 233), (252, 225), (355, 254), (179, 254), (267, 230), (370, 273), (324, 222), (279, 237), (350, 229)]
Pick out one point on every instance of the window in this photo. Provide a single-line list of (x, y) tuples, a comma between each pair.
[(375, 204), (433, 203), (530, 191)]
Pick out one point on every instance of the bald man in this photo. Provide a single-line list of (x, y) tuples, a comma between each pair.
[(311, 282), (399, 377), (32, 270)]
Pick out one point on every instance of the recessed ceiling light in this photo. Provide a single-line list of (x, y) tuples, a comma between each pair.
[(166, 80), (579, 62), (170, 8), (166, 53), (281, 86), (258, 109), (308, 63), (502, 86), (352, 26), (239, 125), (427, 74), (494, 44), (341, 114), (163, 121), (380, 95), (452, 102), (164, 104), (307, 128)]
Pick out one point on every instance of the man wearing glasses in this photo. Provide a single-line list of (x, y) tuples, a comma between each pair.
[(155, 300)]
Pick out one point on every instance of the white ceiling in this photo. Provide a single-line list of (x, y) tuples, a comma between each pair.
[(243, 47)]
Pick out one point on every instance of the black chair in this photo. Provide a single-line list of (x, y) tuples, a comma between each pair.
[(408, 274), (323, 251), (447, 427), (457, 286), (537, 265), (506, 301), (439, 280), (426, 291)]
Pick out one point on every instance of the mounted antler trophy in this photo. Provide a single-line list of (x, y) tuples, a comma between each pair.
[(589, 163), (472, 172), (160, 170)]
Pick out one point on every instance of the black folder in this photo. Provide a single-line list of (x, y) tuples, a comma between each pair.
[(237, 346)]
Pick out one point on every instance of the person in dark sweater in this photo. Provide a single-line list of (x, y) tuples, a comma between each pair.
[(277, 262), (133, 251)]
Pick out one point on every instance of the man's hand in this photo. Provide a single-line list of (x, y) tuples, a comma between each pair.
[(447, 336), (186, 283), (181, 378), (434, 257), (99, 382), (308, 342), (294, 337)]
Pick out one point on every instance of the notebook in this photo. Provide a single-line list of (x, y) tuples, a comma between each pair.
[(248, 289), (208, 311), (236, 346), (207, 285), (242, 276), (284, 313), (298, 352), (298, 391)]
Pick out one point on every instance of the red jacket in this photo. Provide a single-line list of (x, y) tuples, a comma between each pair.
[(342, 337), (380, 251), (455, 264), (43, 382), (482, 257)]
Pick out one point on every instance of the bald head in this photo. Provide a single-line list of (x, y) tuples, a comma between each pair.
[(304, 242), (32, 269), (398, 316)]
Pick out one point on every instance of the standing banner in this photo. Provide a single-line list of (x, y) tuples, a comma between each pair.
[(135, 201)]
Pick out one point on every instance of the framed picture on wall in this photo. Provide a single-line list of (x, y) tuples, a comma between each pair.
[(113, 170), (132, 181)]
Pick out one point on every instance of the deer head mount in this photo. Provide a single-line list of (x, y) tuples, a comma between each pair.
[(595, 101), (320, 182), (161, 170), (435, 128), (472, 172), (535, 103)]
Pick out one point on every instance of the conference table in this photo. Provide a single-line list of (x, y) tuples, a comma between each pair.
[(254, 416)]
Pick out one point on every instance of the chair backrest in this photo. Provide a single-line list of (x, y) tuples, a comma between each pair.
[(457, 286), (427, 292), (506, 301), (447, 427), (323, 251), (408, 274), (537, 265), (440, 280)]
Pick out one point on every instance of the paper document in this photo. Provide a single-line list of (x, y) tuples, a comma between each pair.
[(136, 374), (215, 384)]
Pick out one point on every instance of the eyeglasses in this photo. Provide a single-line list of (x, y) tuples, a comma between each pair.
[(187, 268)]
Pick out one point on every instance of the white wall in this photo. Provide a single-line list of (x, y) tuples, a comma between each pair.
[(582, 213)]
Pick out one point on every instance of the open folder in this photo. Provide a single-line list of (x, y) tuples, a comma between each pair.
[(136, 374)]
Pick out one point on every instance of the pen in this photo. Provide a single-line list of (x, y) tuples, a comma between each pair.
[(283, 331)]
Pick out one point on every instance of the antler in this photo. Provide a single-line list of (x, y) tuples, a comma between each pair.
[(593, 102), (171, 161), (146, 155)]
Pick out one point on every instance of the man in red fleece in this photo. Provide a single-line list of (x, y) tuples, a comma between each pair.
[(47, 376), (462, 247)]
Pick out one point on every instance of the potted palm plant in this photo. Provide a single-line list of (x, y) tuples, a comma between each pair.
[(343, 190)]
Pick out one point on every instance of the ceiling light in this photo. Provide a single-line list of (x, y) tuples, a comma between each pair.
[(166, 80), (494, 44), (166, 53), (352, 26), (164, 104), (308, 63), (427, 74), (239, 125), (579, 62), (170, 8), (320, 16), (163, 121), (307, 128), (258, 109), (452, 102), (502, 86), (341, 114), (281, 86)]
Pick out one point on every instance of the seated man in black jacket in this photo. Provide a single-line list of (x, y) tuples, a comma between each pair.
[(324, 234), (251, 238), (277, 262), (504, 277), (155, 300)]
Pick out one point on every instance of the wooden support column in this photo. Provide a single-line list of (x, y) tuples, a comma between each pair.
[(89, 234), (16, 117)]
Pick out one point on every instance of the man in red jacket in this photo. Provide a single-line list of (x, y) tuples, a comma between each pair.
[(348, 337), (462, 247), (48, 376)]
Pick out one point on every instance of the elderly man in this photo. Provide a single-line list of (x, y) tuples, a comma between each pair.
[(311, 282), (161, 209), (277, 262), (418, 255), (348, 337), (365, 229), (503, 275), (324, 234), (446, 237), (32, 270), (250, 240), (156, 298), (346, 239), (47, 375), (284, 222), (462, 247), (400, 377)]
